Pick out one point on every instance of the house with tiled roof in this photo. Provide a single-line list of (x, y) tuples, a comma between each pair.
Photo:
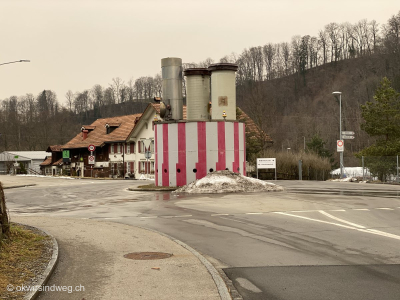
[(121, 144), (113, 154), (52, 165)]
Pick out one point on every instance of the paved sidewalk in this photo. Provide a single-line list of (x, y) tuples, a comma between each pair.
[(91, 254)]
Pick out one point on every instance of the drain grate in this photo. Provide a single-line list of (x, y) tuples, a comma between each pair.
[(147, 255)]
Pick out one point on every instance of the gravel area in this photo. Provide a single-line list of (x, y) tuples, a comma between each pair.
[(38, 266), (228, 182)]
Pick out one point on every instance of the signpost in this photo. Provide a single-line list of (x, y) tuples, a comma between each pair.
[(266, 163), (348, 137), (91, 158)]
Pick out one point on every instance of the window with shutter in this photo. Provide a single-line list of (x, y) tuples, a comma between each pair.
[(112, 148), (115, 148), (132, 147)]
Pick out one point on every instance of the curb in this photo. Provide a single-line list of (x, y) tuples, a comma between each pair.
[(17, 186), (152, 189), (49, 269), (219, 282)]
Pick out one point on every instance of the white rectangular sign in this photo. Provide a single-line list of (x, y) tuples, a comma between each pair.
[(340, 145), (91, 160), (266, 163)]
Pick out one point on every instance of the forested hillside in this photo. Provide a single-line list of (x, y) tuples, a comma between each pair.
[(286, 88)]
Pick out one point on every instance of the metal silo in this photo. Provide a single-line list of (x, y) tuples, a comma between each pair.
[(172, 86), (197, 93), (223, 91)]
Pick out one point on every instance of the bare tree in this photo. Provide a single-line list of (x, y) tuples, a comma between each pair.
[(70, 99)]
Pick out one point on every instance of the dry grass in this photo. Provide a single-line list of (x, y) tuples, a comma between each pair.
[(18, 256), (314, 167)]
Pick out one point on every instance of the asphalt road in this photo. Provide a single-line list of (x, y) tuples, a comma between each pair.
[(315, 240)]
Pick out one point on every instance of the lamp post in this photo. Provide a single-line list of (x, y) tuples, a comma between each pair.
[(17, 61), (338, 95)]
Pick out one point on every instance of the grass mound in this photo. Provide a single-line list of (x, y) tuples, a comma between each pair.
[(22, 254)]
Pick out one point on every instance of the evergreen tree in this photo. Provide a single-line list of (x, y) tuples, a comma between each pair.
[(382, 120)]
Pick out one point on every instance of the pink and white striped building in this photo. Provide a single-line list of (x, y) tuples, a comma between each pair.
[(210, 139), (186, 151)]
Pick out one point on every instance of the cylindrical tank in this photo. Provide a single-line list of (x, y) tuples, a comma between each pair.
[(172, 85), (197, 93), (223, 91)]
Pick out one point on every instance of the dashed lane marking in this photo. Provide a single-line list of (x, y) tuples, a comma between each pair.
[(254, 213), (385, 208)]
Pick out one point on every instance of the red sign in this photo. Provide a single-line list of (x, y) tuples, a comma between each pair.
[(92, 147)]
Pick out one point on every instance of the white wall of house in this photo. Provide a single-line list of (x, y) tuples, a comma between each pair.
[(146, 131)]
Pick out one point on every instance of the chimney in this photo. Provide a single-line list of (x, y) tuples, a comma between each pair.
[(84, 134)]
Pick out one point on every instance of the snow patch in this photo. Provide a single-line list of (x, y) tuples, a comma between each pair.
[(227, 182)]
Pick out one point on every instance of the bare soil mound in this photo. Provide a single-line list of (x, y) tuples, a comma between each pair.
[(227, 182)]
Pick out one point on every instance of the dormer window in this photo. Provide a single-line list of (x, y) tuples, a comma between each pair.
[(110, 127)]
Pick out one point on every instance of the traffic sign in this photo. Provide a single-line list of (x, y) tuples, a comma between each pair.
[(266, 163), (91, 148), (347, 132), (91, 160), (340, 145), (348, 137)]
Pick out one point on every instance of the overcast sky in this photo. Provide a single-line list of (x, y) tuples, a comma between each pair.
[(76, 44)]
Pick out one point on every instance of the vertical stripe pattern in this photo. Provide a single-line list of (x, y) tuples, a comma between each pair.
[(181, 165), (187, 151), (201, 165)]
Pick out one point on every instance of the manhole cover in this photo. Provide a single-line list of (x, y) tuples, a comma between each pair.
[(147, 255)]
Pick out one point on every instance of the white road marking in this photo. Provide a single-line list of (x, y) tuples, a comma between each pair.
[(246, 284), (215, 215), (340, 220), (300, 211), (315, 220), (366, 209), (357, 227), (254, 213), (149, 217), (384, 208), (337, 210)]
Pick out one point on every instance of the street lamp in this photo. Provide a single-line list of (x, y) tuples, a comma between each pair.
[(338, 95), (17, 61)]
